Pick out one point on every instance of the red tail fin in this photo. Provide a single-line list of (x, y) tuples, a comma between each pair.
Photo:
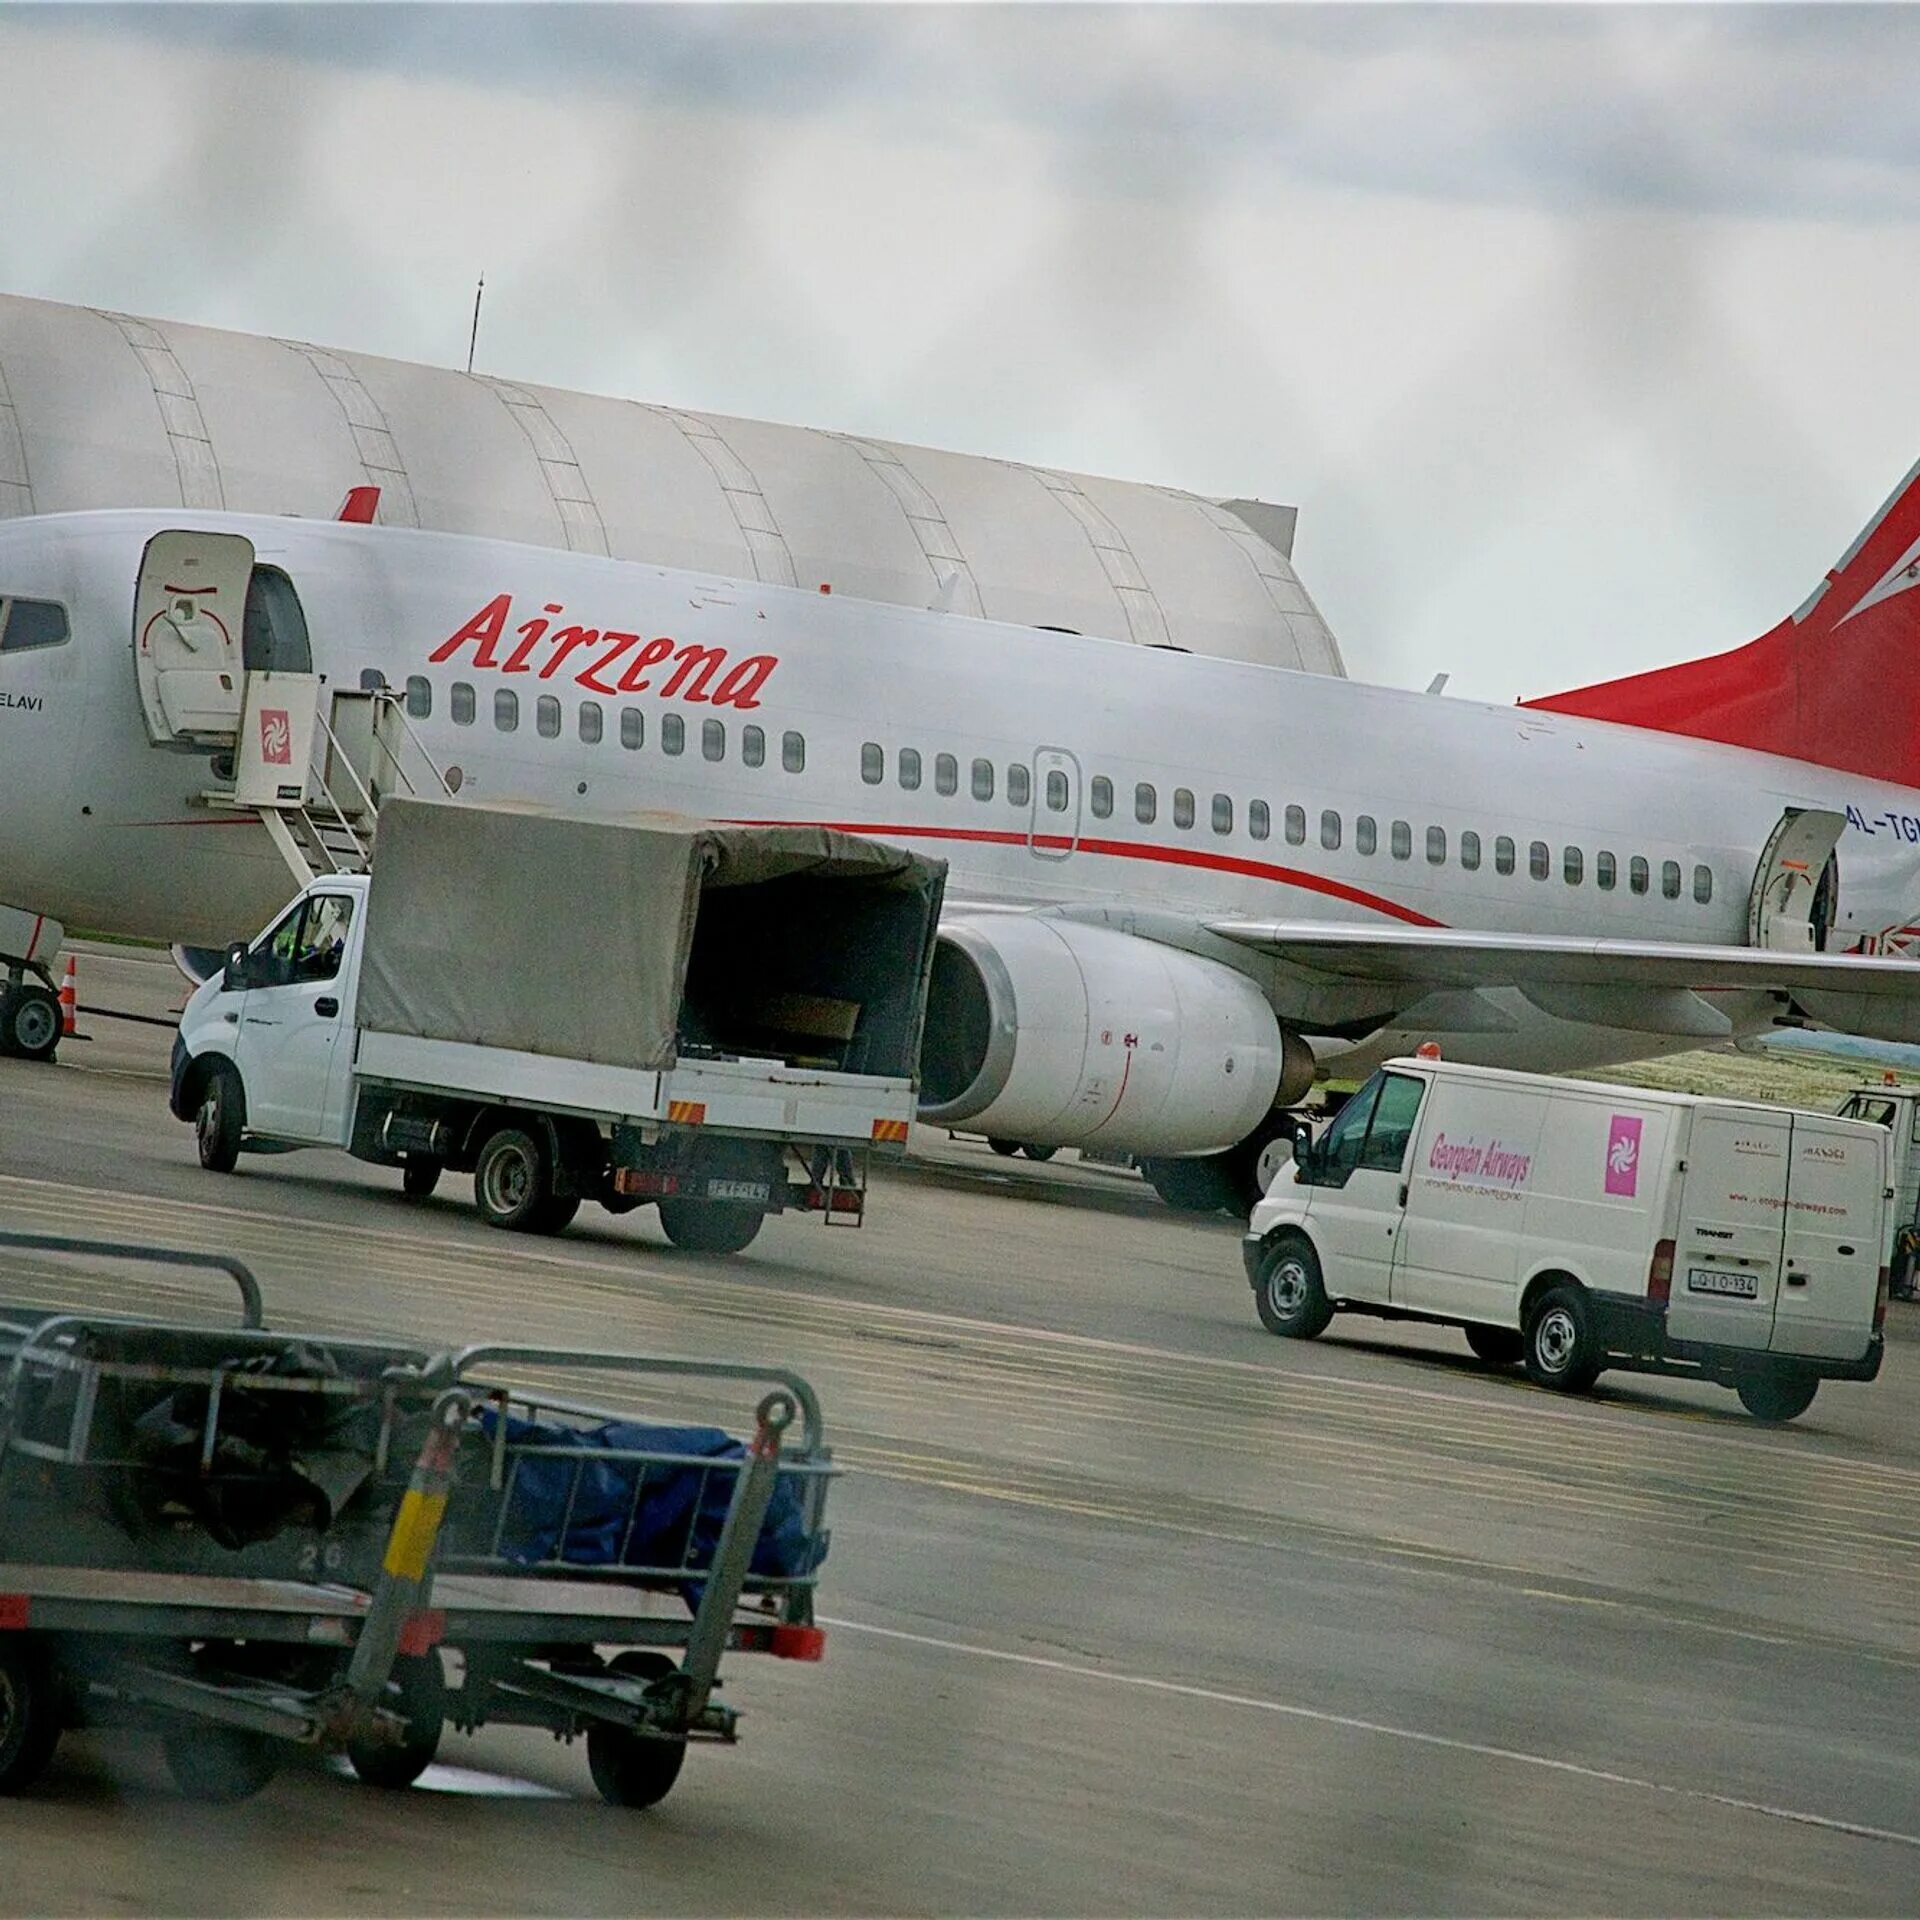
[(1837, 683)]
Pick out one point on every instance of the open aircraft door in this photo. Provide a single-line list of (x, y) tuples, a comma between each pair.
[(188, 613), (1796, 886)]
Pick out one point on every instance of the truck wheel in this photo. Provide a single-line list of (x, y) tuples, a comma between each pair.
[(1777, 1397), (629, 1769), (29, 1713), (422, 1704), (220, 1118), (1497, 1346), (1289, 1293), (557, 1215), (1560, 1349), (418, 1178), (513, 1180), (220, 1765), (709, 1226), (30, 1022)]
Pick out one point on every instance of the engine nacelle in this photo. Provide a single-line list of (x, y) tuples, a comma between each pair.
[(1050, 1031)]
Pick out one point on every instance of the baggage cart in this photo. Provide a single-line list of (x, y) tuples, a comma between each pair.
[(248, 1541)]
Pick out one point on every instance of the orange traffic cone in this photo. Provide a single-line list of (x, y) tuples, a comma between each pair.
[(70, 1000)]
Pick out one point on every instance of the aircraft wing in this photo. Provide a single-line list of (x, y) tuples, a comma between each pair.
[(1648, 986)]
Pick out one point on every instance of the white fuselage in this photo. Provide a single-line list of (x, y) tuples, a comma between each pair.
[(531, 672)]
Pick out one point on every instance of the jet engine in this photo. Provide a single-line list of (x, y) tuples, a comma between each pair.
[(1046, 1030)]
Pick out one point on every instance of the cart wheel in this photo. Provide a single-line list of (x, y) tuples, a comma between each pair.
[(418, 1178), (709, 1226), (629, 1769), (29, 1714), (422, 1703), (220, 1765)]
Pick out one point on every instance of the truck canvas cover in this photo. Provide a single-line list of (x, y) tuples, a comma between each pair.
[(634, 941)]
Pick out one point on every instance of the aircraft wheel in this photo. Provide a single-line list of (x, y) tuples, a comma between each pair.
[(1204, 1185), (220, 1118), (30, 1022), (1006, 1149), (1039, 1153)]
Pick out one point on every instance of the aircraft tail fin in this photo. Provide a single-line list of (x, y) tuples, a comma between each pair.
[(1837, 682)]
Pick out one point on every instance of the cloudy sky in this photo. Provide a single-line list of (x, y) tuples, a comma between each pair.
[(1584, 339)]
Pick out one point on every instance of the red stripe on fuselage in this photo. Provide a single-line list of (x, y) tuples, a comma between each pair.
[(1139, 850)]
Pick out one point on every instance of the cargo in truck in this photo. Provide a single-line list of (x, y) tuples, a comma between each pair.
[(721, 1021)]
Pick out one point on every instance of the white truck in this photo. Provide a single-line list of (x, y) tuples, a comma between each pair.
[(723, 1021), (1895, 1105), (1577, 1227)]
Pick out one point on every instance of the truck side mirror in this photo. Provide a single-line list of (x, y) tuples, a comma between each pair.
[(235, 977)]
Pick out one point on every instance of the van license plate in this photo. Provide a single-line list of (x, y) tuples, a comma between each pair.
[(1741, 1286), (756, 1190)]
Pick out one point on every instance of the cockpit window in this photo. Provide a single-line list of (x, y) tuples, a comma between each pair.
[(26, 624)]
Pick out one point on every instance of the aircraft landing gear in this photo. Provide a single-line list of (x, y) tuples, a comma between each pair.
[(1230, 1182), (29, 1018)]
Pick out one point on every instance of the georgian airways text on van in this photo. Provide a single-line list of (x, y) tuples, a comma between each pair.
[(605, 660)]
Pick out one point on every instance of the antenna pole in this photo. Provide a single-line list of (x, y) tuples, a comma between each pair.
[(473, 339)]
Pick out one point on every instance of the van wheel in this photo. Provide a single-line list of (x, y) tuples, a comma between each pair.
[(1289, 1294), (1560, 1349), (220, 1118), (513, 1181), (1777, 1397), (1497, 1346), (709, 1226)]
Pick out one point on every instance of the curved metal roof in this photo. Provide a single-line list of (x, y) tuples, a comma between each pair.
[(102, 409)]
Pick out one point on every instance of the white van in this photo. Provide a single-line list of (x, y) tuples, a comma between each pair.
[(1578, 1227)]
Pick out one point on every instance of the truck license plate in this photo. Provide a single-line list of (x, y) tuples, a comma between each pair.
[(1740, 1286), (739, 1190)]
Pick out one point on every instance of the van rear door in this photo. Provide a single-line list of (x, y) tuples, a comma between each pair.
[(1831, 1268), (1726, 1268)]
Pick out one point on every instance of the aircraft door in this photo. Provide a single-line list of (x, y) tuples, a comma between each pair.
[(1054, 830), (1796, 886), (189, 613)]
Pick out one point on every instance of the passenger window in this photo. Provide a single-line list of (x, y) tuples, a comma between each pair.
[(1703, 884), (1638, 874), (1402, 841), (1366, 834), (1436, 846), (1146, 804), (753, 746), (27, 624), (633, 726), (1056, 791), (593, 723), (1330, 830), (1259, 819), (1183, 807), (1295, 820), (1019, 785), (506, 709), (1503, 855), (1573, 864), (910, 768), (946, 773), (713, 739), (1539, 860), (873, 763), (793, 752), (1670, 879), (1604, 871), (1100, 796), (673, 733), (460, 704), (983, 779), (1470, 851), (419, 696), (546, 717), (1222, 813), (1391, 1129)]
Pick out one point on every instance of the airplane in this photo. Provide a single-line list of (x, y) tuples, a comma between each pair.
[(1182, 889)]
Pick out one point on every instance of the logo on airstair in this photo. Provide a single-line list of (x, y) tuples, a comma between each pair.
[(276, 737)]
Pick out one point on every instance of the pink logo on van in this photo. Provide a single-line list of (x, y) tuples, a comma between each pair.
[(1623, 1155)]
